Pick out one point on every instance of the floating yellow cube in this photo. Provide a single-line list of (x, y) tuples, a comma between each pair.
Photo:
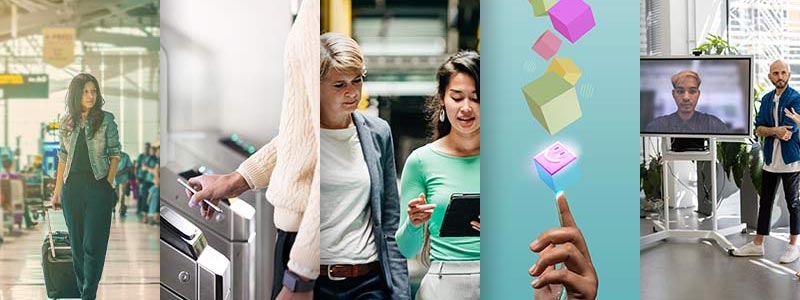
[(540, 7), (552, 101), (566, 68)]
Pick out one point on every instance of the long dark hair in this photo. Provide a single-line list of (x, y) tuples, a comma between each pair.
[(465, 61), (74, 95)]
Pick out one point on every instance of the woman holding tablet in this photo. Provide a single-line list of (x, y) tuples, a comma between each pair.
[(450, 164)]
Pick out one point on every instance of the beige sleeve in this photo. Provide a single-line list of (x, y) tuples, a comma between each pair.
[(257, 169), (303, 55), (304, 257)]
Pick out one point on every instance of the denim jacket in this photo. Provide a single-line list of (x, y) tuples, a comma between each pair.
[(102, 146), (790, 150), (376, 143)]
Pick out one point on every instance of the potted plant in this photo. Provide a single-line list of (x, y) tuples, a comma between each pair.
[(741, 162), (651, 185)]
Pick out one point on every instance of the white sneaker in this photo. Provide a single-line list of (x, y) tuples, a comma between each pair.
[(791, 254), (749, 249)]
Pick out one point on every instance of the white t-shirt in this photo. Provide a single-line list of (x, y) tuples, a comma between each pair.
[(777, 165), (346, 235)]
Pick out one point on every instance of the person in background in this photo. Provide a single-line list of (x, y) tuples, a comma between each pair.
[(153, 200), (781, 161), (142, 184), (121, 182), (23, 214), (8, 168)]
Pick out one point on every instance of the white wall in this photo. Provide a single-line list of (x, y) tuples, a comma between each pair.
[(690, 21), (225, 69)]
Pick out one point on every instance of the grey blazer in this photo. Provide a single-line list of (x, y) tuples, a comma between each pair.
[(376, 143)]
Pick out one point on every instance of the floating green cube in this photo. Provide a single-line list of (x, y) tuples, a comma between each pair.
[(540, 7), (553, 102)]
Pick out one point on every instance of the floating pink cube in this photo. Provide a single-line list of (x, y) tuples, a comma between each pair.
[(547, 45), (555, 158), (572, 18), (556, 167)]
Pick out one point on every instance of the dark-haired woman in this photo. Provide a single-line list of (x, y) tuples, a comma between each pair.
[(432, 173), (87, 164)]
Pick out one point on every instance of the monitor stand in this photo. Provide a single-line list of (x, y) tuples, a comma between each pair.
[(689, 145), (666, 233)]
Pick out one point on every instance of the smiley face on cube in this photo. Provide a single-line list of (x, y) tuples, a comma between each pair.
[(557, 166)]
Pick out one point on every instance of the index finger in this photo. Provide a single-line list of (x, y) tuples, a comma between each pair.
[(564, 214)]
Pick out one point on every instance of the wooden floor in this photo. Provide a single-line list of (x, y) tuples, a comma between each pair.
[(131, 269)]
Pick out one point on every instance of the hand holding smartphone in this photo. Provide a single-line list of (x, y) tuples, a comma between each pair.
[(206, 202)]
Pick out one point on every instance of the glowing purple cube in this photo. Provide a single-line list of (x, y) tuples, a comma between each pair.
[(572, 18), (557, 167)]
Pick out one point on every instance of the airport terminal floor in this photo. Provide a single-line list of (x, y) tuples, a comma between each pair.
[(131, 268)]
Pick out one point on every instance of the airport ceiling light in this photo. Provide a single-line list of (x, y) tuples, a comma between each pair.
[(37, 14), (398, 36)]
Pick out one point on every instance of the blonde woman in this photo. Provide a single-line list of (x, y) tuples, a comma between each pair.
[(359, 202)]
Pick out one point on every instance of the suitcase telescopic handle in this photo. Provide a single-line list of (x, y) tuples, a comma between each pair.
[(50, 233)]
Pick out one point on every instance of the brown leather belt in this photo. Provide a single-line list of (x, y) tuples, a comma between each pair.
[(341, 272)]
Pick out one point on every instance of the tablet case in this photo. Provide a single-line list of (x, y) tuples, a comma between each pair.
[(463, 208)]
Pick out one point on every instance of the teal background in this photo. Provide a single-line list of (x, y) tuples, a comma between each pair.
[(516, 205)]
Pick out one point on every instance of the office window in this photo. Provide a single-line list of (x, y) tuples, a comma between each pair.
[(768, 30), (651, 27)]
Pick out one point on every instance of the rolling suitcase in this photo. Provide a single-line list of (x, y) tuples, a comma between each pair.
[(59, 273)]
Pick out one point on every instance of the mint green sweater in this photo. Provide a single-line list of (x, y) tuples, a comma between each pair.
[(438, 176)]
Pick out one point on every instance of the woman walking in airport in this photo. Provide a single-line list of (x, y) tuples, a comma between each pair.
[(359, 203), (432, 173), (87, 163)]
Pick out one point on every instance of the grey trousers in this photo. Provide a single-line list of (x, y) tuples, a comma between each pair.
[(451, 280)]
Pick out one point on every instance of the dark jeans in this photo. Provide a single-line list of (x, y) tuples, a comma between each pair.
[(367, 287), (769, 185), (87, 210), (362, 288)]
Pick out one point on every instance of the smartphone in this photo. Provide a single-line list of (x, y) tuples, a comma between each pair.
[(206, 201)]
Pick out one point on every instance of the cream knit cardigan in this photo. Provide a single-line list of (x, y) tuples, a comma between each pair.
[(289, 163)]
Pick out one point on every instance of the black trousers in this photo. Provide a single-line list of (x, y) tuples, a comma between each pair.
[(367, 287), (87, 211), (769, 185)]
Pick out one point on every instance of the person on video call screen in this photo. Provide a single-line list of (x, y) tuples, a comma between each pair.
[(686, 92)]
